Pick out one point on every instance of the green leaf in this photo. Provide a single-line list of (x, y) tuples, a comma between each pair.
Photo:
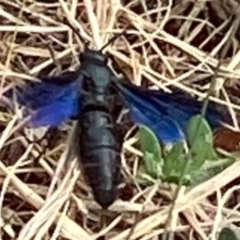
[(198, 125), (210, 169), (152, 153), (200, 140), (227, 234), (175, 164)]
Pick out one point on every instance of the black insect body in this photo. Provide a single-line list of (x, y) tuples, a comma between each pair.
[(100, 136), (90, 95)]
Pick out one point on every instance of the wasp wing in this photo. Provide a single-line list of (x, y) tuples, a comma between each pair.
[(182, 106), (51, 101), (164, 113)]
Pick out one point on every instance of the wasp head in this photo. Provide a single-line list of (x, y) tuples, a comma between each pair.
[(94, 57)]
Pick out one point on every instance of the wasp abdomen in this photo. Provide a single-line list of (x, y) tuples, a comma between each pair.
[(100, 147)]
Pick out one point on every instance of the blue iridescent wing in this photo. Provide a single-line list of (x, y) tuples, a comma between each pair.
[(53, 100), (184, 106), (165, 114)]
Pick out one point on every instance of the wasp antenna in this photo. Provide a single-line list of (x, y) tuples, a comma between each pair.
[(76, 32), (113, 39)]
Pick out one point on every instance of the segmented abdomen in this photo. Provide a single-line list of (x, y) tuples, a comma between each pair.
[(100, 148)]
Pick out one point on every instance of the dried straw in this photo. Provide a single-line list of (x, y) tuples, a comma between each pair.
[(169, 43)]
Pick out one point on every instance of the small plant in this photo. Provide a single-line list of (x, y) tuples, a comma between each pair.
[(189, 162), (227, 234)]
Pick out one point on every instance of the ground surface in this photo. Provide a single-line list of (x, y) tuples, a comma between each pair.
[(172, 43)]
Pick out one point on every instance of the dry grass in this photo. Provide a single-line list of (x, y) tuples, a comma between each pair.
[(175, 43)]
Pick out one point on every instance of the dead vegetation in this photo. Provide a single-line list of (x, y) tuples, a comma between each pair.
[(169, 43)]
